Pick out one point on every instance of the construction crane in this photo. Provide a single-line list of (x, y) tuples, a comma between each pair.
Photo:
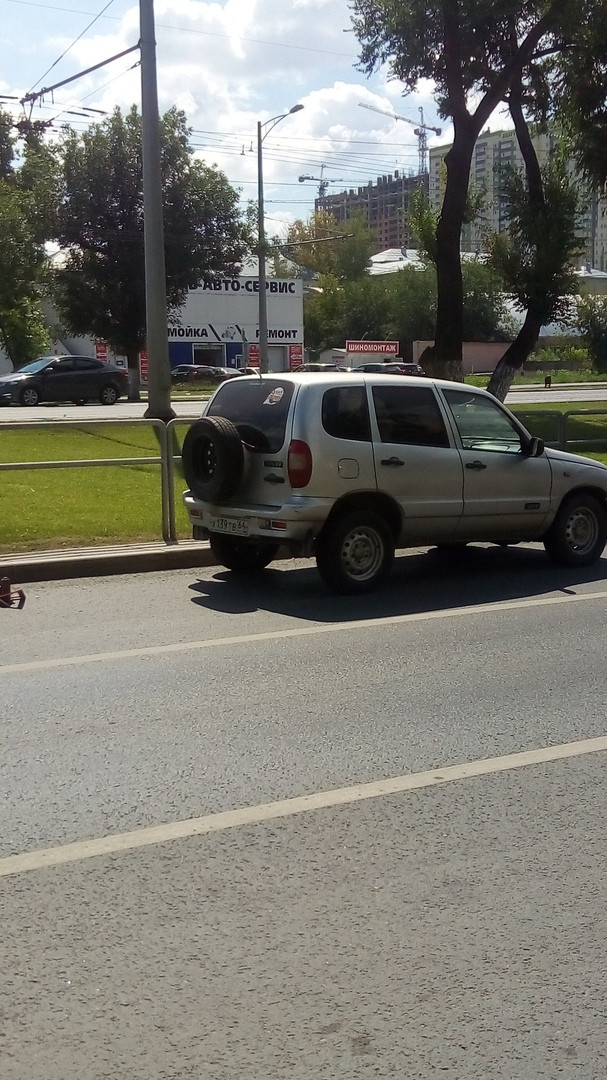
[(322, 183), (420, 131)]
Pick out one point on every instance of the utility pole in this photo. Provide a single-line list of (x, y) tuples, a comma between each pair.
[(157, 344)]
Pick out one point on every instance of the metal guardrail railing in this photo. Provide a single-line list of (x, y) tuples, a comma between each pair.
[(533, 420), (167, 458), (167, 513)]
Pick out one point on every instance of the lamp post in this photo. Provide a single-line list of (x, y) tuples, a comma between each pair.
[(264, 129)]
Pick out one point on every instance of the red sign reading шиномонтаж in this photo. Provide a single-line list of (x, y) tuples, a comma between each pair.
[(373, 348)]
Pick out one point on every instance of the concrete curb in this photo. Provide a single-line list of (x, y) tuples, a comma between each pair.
[(102, 561)]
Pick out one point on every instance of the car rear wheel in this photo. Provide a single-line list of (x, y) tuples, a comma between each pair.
[(213, 458), (108, 395), (354, 553), (240, 555), (578, 533), (29, 396)]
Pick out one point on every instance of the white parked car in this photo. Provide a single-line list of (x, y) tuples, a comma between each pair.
[(349, 467)]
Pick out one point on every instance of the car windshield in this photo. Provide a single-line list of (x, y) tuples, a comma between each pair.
[(259, 409), (36, 365)]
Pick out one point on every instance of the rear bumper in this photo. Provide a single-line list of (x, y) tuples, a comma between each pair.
[(295, 522)]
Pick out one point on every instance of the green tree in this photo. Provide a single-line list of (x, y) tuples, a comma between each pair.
[(323, 245), (592, 324), (535, 255), (475, 51), (100, 288), (22, 261), (325, 316), (23, 230), (400, 307)]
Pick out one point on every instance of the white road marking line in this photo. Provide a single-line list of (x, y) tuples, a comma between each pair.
[(304, 631), (284, 808)]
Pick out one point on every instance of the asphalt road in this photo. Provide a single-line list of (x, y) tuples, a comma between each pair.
[(124, 410), (262, 832)]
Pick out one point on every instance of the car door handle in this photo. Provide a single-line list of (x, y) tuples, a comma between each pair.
[(392, 461), (475, 465), (272, 478)]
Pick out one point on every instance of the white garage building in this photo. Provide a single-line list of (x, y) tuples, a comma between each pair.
[(219, 322)]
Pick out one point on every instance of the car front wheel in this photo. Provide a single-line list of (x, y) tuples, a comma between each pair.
[(578, 533), (29, 396), (242, 556), (355, 552)]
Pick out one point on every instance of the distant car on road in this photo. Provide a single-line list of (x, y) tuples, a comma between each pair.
[(396, 367), (64, 378), (190, 372), (314, 366), (201, 373)]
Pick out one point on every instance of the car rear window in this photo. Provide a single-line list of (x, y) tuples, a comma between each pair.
[(345, 413), (259, 409)]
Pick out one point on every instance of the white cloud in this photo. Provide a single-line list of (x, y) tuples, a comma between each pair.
[(228, 64)]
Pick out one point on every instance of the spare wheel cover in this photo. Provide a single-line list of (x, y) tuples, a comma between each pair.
[(213, 458)]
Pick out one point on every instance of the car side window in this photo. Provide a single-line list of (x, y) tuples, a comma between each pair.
[(481, 423), (81, 363), (409, 415), (345, 413), (61, 367)]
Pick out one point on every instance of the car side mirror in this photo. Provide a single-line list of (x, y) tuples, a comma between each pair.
[(535, 447)]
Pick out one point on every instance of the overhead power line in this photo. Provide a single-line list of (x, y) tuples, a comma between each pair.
[(65, 51), (102, 63)]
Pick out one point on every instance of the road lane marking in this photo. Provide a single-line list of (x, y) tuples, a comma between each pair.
[(119, 843), (302, 631)]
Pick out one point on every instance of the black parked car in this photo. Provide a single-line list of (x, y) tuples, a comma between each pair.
[(64, 378), (200, 373)]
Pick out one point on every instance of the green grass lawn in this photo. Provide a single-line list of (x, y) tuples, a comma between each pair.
[(53, 508), (586, 431), (535, 378)]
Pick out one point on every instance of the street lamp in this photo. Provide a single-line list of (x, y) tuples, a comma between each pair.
[(264, 129)]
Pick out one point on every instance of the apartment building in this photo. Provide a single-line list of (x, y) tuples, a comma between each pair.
[(494, 150), (384, 204)]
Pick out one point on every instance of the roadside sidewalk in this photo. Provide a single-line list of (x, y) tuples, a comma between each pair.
[(100, 561)]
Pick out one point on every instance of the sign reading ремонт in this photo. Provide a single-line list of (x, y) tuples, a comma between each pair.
[(373, 348)]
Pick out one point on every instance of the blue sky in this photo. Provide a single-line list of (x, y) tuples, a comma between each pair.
[(227, 64)]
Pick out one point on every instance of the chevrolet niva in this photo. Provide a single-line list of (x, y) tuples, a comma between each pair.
[(349, 467)]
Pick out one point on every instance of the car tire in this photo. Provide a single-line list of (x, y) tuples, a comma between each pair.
[(578, 533), (108, 395), (241, 555), (354, 553), (213, 458), (29, 396)]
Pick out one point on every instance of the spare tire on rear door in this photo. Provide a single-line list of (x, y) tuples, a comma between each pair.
[(213, 458)]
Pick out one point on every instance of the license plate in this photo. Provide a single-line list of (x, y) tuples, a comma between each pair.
[(235, 526)]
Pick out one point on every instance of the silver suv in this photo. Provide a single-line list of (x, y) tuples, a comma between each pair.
[(348, 467)]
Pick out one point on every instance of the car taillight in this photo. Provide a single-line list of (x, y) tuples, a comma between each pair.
[(299, 463)]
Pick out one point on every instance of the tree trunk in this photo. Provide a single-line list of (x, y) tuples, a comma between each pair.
[(526, 339), (515, 356), (444, 358), (134, 383)]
